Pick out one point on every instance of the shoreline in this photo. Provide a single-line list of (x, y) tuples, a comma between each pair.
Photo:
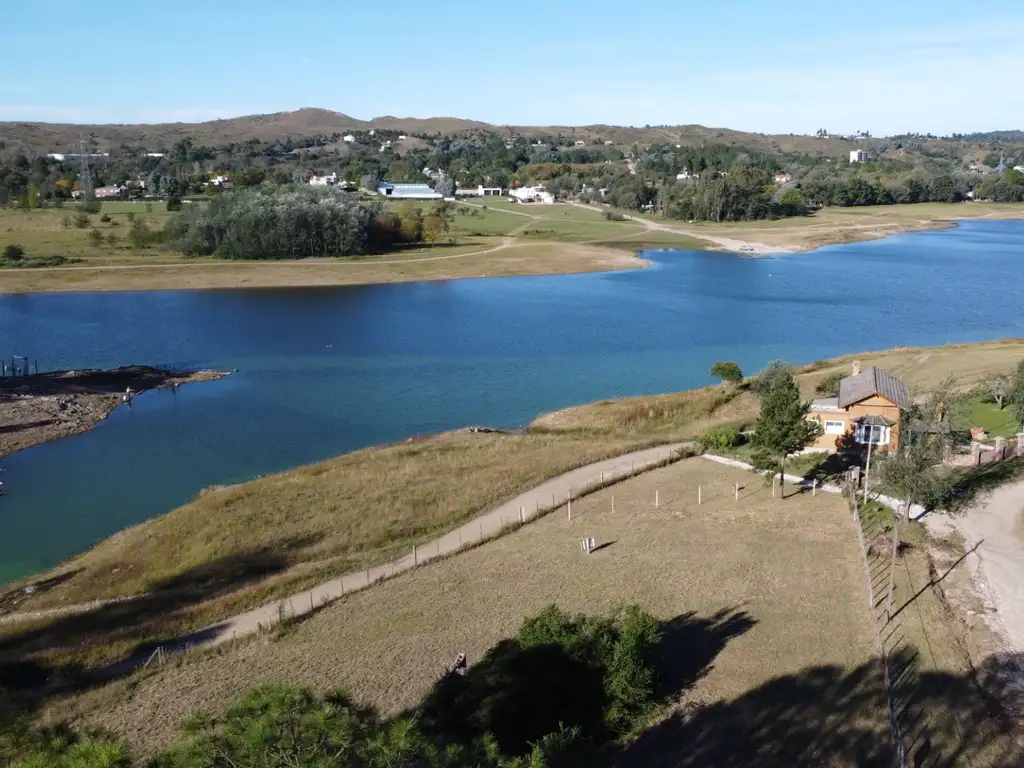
[(580, 258), (49, 406)]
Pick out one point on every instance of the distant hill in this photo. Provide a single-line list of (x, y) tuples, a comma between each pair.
[(40, 138)]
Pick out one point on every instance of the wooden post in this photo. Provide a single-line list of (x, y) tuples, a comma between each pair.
[(814, 487), (613, 505), (460, 538), (657, 502), (773, 486), (736, 492), (700, 495), (602, 478), (415, 561), (481, 531), (569, 506)]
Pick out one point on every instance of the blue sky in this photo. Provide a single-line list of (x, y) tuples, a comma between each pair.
[(776, 66)]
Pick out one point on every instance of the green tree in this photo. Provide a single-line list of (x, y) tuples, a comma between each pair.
[(772, 373), (81, 220), (14, 252), (1015, 396), (727, 371), (782, 427), (829, 386), (445, 186), (174, 203), (997, 388)]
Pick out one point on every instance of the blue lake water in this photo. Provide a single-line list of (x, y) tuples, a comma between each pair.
[(325, 371)]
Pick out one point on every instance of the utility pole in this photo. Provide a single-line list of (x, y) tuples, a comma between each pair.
[(85, 180)]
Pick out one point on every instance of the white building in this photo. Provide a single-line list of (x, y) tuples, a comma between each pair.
[(348, 138), (686, 176), (783, 178), (407, 191), (580, 143), (1019, 168), (531, 195), (478, 191), (324, 181), (154, 154), (858, 156)]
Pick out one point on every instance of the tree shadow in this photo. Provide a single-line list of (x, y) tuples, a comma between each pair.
[(972, 482), (827, 716), (520, 694), (143, 624)]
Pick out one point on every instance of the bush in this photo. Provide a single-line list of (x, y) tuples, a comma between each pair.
[(14, 252), (90, 206), (174, 203), (105, 218), (65, 221), (80, 220), (722, 437), (613, 216), (149, 207), (772, 373), (829, 386), (95, 237), (727, 371)]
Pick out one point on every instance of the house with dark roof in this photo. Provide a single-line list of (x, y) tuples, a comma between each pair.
[(866, 412)]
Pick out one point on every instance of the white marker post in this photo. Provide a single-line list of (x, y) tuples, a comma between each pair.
[(569, 506), (657, 503), (700, 495), (736, 492), (613, 505)]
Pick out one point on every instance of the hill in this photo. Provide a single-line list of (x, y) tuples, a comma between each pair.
[(40, 138)]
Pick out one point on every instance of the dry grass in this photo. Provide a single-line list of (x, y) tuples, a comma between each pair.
[(690, 413), (240, 546), (473, 257), (786, 573)]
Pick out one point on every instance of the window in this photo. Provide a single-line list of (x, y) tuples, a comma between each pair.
[(873, 434), (835, 427)]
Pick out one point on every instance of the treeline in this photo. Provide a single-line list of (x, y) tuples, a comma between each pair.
[(556, 695), (270, 222)]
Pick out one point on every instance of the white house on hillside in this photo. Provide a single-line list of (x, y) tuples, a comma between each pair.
[(324, 181), (407, 191), (348, 138), (858, 156), (478, 191)]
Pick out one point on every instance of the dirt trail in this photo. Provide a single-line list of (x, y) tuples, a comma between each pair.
[(727, 243), (996, 526)]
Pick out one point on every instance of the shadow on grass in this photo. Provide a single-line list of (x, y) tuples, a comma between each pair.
[(519, 694), (827, 716), (27, 659)]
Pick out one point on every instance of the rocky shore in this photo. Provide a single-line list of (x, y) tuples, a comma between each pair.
[(47, 406)]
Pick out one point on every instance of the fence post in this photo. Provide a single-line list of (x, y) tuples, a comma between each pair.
[(613, 505), (415, 561), (736, 492), (700, 495), (569, 506), (657, 503)]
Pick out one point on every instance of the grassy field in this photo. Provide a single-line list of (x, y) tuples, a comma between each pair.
[(997, 422), (484, 244), (846, 225), (781, 596)]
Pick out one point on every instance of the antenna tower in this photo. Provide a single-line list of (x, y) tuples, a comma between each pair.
[(85, 179)]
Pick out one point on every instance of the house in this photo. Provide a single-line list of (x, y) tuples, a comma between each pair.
[(531, 195), (1019, 168), (348, 138), (324, 181), (858, 156), (867, 411), (580, 143), (608, 142), (686, 176), (783, 178), (407, 191), (110, 191), (478, 191), (155, 154)]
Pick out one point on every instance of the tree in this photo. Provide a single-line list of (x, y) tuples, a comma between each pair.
[(997, 388), (445, 186), (1016, 394), (432, 228), (782, 426), (81, 220), (14, 252), (829, 386), (95, 237), (766, 379), (174, 203), (370, 180), (727, 371), (445, 211)]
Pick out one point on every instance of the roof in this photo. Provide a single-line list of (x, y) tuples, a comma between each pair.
[(873, 381), (875, 420)]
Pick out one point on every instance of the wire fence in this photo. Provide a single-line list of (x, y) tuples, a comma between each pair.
[(879, 558)]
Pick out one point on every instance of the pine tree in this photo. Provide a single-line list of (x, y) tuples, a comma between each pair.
[(782, 427)]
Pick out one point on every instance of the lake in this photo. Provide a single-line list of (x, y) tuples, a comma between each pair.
[(325, 371)]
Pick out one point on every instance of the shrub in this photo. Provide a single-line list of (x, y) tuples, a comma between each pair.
[(149, 207), (14, 252), (81, 220), (829, 386), (95, 237), (772, 373), (722, 437), (727, 371), (105, 218), (174, 203), (90, 206), (130, 216), (613, 216)]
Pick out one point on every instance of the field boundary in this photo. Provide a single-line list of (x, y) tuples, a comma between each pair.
[(880, 607)]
